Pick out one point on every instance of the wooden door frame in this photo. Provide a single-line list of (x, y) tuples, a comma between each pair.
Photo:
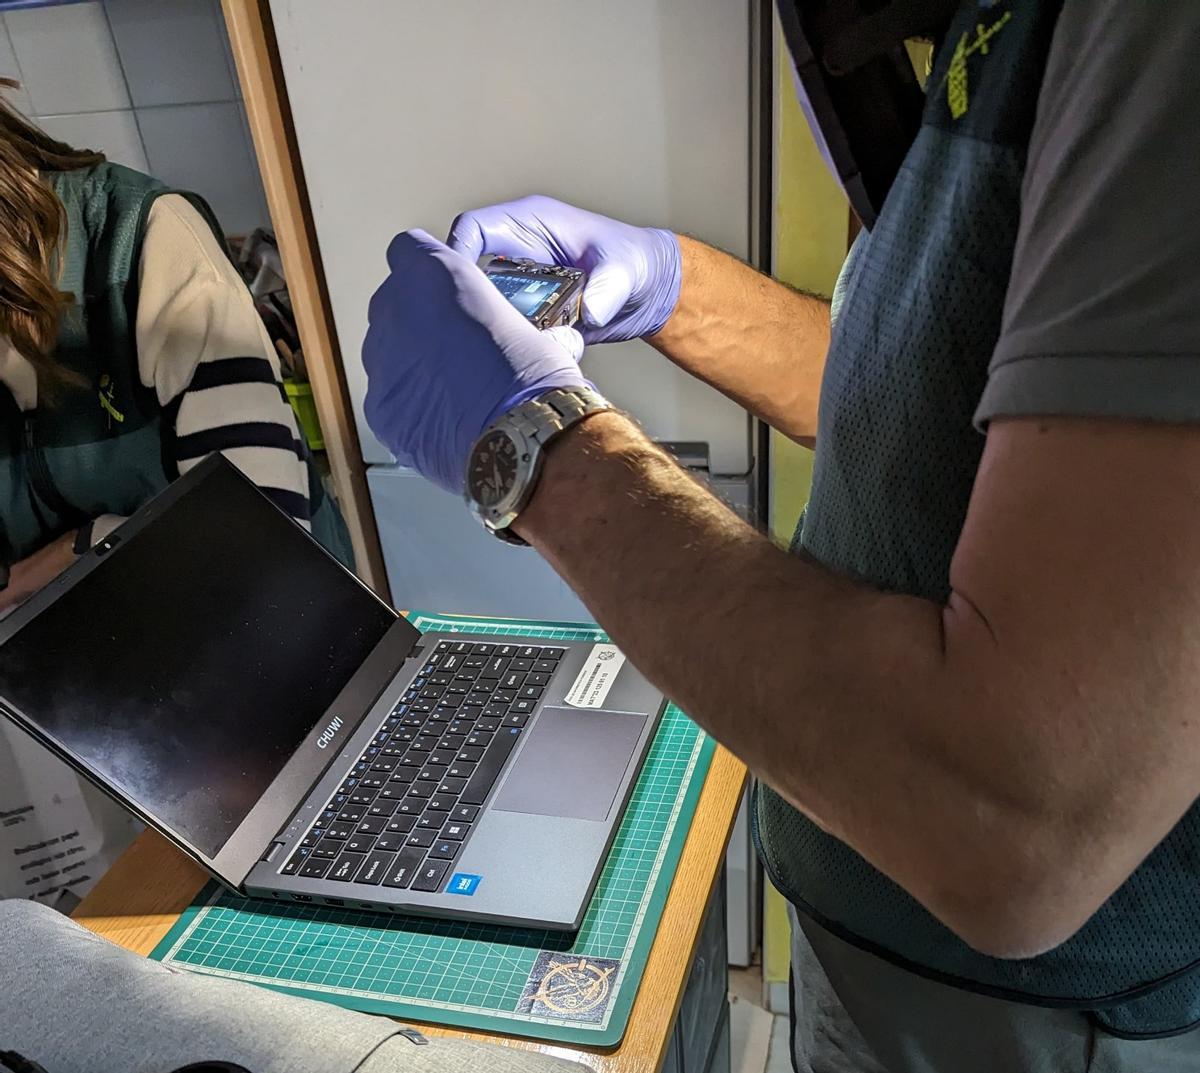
[(256, 55)]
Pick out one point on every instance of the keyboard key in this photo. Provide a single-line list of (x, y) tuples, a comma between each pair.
[(383, 807), (411, 806), (375, 869), (394, 791), (506, 651), (477, 700), (401, 824), (432, 692), (314, 868), (482, 650), (462, 648), (495, 711), (439, 803), (431, 773), (544, 666), (443, 646), (397, 749), (451, 662), (402, 775), (529, 692), (351, 813), (457, 689), (420, 746), (496, 666), (422, 789), (431, 875), (422, 838), (327, 850), (456, 832), (452, 742), (459, 770), (552, 653), (512, 680), (403, 868), (311, 839), (384, 763), (362, 797), (444, 850), (481, 783), (504, 696), (481, 739), (440, 679), (451, 700), (464, 813), (536, 679), (360, 843), (516, 718), (339, 831), (348, 786), (520, 707), (440, 757), (375, 781), (529, 652), (372, 825), (390, 843), (464, 678), (452, 786), (431, 821), (490, 723), (328, 816), (345, 866), (474, 663)]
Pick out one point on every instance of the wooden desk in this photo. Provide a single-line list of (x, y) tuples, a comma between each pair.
[(143, 894)]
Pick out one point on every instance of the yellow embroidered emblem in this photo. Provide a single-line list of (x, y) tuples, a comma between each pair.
[(955, 80), (107, 391)]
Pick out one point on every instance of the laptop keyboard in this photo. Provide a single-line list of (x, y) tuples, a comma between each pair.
[(402, 816)]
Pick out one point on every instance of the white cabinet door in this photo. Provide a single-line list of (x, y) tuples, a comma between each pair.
[(439, 558), (409, 111)]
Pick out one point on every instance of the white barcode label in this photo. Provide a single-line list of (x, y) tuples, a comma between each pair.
[(596, 677)]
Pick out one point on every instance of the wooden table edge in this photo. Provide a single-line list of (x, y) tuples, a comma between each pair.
[(142, 896)]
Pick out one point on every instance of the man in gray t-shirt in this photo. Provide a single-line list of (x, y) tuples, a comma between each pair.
[(972, 694)]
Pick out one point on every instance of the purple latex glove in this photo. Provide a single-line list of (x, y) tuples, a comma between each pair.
[(445, 354), (633, 272)]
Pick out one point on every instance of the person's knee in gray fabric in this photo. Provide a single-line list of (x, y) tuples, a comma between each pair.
[(74, 1003)]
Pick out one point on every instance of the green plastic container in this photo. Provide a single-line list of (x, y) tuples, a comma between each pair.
[(300, 395)]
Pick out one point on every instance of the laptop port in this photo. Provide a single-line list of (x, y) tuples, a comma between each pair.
[(302, 897), (334, 901)]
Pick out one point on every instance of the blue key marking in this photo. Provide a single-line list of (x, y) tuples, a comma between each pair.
[(462, 883)]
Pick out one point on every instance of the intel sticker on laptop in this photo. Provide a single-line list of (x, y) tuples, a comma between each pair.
[(462, 883), (596, 677)]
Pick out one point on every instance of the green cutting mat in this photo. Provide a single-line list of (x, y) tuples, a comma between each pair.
[(570, 988)]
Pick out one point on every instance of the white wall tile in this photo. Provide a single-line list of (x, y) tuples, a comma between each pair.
[(172, 52), (9, 68), (202, 148), (114, 133), (68, 59)]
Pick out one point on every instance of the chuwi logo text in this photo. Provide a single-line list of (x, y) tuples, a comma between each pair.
[(327, 735)]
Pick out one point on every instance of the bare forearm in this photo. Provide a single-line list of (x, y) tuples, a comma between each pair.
[(755, 340), (893, 722)]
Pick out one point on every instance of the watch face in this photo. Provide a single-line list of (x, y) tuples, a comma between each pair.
[(492, 471)]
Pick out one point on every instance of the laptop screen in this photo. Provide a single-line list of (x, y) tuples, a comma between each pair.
[(188, 666)]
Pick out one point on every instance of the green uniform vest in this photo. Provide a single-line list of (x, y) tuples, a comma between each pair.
[(102, 446), (918, 313)]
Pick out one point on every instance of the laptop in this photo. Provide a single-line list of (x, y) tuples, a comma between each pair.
[(219, 674)]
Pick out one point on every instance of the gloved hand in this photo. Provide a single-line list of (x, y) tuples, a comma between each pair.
[(634, 273), (445, 354)]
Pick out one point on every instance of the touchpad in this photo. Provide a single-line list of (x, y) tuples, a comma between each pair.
[(572, 764)]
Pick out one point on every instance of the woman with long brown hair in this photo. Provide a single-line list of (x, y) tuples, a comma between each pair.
[(130, 350)]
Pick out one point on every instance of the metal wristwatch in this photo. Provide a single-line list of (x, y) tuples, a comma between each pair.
[(506, 461)]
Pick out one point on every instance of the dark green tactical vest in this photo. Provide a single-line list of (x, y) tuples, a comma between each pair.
[(917, 316), (102, 447)]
